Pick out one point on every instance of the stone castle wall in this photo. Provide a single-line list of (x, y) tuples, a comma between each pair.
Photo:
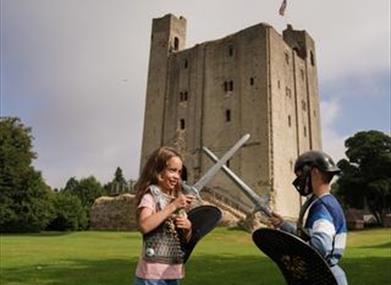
[(254, 81)]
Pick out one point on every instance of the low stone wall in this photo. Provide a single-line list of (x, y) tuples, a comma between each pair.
[(118, 213), (114, 213)]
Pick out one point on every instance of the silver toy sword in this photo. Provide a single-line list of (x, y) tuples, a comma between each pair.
[(201, 183), (258, 202)]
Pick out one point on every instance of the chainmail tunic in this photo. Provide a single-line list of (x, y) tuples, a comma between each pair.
[(163, 244)]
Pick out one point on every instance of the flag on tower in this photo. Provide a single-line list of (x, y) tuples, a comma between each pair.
[(281, 11)]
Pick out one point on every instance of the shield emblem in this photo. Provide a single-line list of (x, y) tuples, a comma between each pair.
[(203, 219), (299, 263)]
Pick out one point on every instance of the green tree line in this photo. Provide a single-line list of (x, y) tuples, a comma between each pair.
[(27, 203)]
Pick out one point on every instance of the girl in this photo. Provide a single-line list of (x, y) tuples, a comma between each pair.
[(159, 198)]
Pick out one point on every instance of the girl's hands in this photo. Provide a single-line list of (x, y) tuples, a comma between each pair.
[(182, 222), (182, 201), (276, 220)]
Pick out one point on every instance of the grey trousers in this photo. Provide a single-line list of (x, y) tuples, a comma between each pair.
[(339, 275)]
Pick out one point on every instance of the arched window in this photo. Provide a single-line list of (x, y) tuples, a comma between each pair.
[(228, 115), (230, 50), (303, 105), (176, 43), (288, 92), (302, 74), (182, 124), (228, 86), (225, 86), (231, 86)]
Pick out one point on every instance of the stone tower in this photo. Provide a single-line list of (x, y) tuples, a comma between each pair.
[(168, 36), (254, 81)]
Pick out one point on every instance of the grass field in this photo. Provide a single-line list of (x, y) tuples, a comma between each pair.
[(224, 257)]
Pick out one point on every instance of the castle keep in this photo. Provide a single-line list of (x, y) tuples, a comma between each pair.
[(254, 81)]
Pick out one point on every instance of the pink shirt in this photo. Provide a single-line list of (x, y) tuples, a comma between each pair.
[(148, 270)]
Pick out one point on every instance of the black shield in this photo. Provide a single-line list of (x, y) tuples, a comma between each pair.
[(203, 219), (300, 264)]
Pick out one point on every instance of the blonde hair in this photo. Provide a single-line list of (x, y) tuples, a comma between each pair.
[(155, 164)]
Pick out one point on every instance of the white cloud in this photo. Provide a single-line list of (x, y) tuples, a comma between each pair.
[(333, 142), (76, 70)]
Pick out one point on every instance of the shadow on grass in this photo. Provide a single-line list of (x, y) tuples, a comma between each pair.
[(205, 270), (76, 271), (232, 270), (200, 270), (367, 270), (40, 234)]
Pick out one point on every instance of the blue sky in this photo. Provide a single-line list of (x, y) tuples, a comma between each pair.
[(75, 70)]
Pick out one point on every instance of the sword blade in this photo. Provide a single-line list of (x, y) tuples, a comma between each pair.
[(250, 193), (219, 163)]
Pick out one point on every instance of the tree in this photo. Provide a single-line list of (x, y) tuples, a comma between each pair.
[(118, 185), (118, 176), (366, 175), (87, 190), (69, 213), (25, 204), (71, 184)]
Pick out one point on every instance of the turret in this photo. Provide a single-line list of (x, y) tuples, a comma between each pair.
[(168, 36)]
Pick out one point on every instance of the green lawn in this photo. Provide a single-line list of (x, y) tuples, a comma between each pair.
[(224, 257)]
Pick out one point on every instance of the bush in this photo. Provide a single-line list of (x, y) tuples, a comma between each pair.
[(69, 213)]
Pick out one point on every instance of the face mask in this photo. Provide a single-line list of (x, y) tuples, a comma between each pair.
[(303, 183)]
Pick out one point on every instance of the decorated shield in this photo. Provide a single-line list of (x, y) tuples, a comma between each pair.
[(203, 219), (299, 263)]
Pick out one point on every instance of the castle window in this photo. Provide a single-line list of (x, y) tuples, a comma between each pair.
[(231, 86), (287, 58), (305, 131), (185, 64), (312, 58), (183, 96), (289, 120), (228, 115), (303, 105), (182, 124), (252, 81), (230, 50), (288, 92), (176, 43), (228, 86), (302, 74), (279, 84)]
